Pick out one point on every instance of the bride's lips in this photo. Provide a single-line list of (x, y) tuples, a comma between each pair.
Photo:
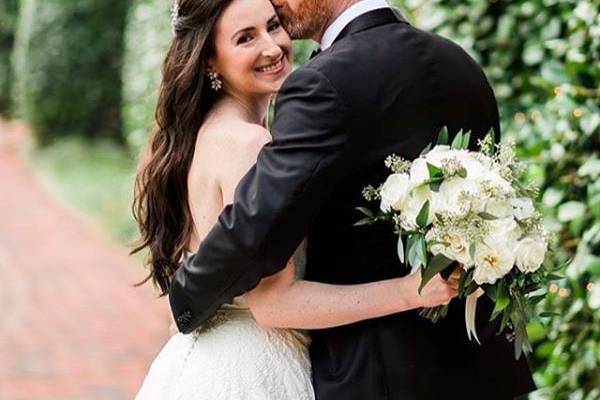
[(273, 69)]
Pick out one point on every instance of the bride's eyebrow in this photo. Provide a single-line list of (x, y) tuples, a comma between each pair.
[(251, 28), (243, 30)]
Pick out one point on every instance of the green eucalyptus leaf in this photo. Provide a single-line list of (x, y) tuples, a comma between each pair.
[(366, 211), (423, 215), (443, 136), (435, 266), (466, 140), (435, 172), (426, 150), (457, 141), (487, 216), (502, 300), (364, 222)]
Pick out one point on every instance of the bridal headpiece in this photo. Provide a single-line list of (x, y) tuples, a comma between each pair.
[(174, 15)]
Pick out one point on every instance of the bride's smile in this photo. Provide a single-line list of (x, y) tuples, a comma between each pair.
[(274, 68)]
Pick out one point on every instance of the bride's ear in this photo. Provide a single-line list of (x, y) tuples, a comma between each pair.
[(210, 65)]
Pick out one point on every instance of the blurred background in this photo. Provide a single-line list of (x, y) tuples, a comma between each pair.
[(78, 84)]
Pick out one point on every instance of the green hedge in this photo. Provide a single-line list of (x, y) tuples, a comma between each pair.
[(147, 38), (67, 62), (542, 58), (8, 19)]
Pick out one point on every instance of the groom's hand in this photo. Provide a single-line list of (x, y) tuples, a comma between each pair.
[(437, 291)]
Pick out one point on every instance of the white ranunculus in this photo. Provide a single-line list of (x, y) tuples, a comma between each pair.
[(412, 206), (394, 192), (498, 208), (530, 253), (522, 208), (492, 263)]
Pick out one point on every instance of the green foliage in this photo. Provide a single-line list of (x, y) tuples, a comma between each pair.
[(8, 19), (542, 59), (67, 63), (93, 177), (147, 38)]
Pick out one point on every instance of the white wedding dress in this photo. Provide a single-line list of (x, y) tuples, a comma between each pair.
[(232, 358)]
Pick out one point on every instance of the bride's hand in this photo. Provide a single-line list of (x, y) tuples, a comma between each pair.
[(437, 291)]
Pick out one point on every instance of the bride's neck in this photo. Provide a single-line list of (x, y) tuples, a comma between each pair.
[(252, 110)]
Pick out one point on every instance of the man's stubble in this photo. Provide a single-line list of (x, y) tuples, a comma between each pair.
[(308, 21)]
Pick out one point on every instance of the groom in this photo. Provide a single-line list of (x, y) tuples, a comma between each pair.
[(378, 86)]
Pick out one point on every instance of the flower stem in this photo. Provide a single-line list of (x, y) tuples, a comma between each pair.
[(434, 313)]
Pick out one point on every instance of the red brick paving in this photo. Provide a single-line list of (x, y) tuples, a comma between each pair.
[(71, 325)]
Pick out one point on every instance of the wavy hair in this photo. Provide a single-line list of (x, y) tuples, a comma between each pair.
[(160, 204)]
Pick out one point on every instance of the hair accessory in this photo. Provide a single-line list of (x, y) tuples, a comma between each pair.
[(174, 15)]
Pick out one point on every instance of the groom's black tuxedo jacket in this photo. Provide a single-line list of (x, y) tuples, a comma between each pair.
[(383, 87)]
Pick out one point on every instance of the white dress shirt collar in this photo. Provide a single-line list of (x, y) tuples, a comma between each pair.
[(351, 13)]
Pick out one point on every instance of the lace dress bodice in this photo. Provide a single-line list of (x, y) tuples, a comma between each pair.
[(232, 357)]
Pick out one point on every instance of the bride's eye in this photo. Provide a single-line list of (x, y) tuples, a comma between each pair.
[(245, 38), (274, 26)]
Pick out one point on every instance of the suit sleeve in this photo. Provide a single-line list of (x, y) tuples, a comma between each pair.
[(274, 203)]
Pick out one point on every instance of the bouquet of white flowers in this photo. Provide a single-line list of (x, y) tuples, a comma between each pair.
[(452, 205)]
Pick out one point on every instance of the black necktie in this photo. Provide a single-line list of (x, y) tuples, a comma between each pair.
[(314, 53)]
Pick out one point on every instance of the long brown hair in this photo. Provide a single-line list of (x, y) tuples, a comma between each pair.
[(160, 205)]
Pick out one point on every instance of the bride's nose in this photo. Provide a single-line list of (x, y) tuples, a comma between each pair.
[(271, 50)]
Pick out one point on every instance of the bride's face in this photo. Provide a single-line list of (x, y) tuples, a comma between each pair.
[(253, 51)]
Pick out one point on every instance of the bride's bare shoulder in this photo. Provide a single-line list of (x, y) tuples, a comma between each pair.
[(233, 139)]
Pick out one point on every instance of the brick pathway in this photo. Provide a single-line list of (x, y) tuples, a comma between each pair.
[(71, 325)]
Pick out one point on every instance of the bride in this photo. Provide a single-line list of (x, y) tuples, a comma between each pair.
[(226, 61)]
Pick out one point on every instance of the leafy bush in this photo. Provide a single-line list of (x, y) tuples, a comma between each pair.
[(8, 19), (542, 59), (68, 62), (147, 38)]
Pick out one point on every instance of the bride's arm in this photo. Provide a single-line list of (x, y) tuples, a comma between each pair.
[(281, 301), (284, 302)]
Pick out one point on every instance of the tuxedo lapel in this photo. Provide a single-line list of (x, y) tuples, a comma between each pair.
[(371, 19)]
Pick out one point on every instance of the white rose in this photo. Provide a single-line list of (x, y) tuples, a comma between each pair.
[(418, 171), (394, 192), (475, 169), (496, 180), (492, 263), (446, 199), (530, 253), (439, 153), (522, 208), (503, 232), (455, 248), (498, 208), (413, 205), (440, 148)]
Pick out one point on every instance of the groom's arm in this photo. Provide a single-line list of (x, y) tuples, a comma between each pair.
[(274, 204)]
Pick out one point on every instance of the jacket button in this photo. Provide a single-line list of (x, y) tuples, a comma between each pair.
[(184, 318)]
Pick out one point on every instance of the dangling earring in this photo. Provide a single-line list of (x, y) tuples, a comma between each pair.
[(215, 83)]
